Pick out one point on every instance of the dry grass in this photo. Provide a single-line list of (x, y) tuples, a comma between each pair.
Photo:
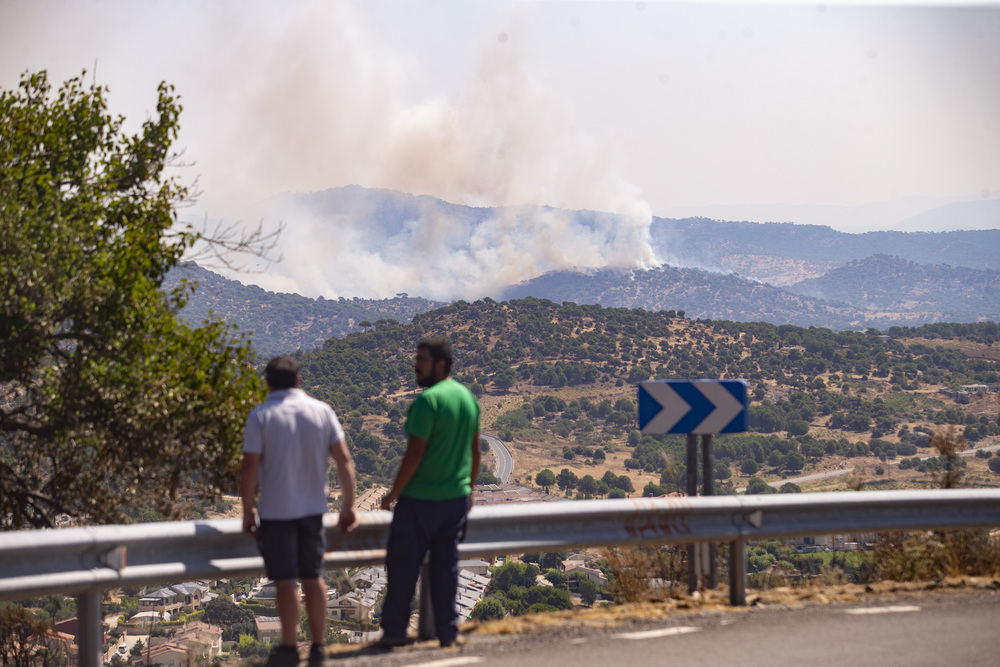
[(935, 555)]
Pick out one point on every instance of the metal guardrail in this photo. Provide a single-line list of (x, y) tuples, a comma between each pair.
[(87, 561)]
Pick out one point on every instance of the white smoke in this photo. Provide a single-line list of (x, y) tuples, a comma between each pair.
[(507, 142)]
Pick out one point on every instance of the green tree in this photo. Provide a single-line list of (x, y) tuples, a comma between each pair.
[(587, 485), (223, 611), (566, 479), (798, 427), (556, 578), (487, 477), (545, 479), (624, 482), (794, 461), (488, 608), (558, 598), (513, 575), (109, 401), (588, 590), (551, 560), (250, 647), (505, 379), (755, 485)]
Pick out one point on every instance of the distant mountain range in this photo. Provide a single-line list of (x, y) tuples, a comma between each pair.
[(785, 253), (782, 273), (913, 214)]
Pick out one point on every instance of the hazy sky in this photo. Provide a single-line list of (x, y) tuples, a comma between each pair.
[(526, 102), (636, 108)]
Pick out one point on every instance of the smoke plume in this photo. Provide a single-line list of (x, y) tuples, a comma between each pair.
[(336, 115)]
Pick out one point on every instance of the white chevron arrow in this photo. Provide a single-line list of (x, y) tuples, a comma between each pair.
[(673, 407), (726, 407)]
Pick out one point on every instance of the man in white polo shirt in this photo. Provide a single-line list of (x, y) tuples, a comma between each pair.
[(286, 448)]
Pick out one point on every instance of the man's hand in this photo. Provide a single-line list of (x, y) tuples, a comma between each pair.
[(250, 524), (387, 501), (347, 521)]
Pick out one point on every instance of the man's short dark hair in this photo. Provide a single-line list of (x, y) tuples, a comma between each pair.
[(439, 349), (281, 373)]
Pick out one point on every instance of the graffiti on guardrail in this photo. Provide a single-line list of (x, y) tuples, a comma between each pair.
[(672, 522), (658, 525)]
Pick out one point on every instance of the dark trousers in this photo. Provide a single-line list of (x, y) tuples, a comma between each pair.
[(419, 527)]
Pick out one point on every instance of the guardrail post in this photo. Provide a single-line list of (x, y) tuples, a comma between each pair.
[(738, 573), (89, 629), (425, 626)]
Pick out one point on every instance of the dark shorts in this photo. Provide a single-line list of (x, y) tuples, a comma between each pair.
[(293, 548)]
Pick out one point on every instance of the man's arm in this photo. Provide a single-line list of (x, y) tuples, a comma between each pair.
[(248, 492), (345, 473), (476, 459), (415, 449)]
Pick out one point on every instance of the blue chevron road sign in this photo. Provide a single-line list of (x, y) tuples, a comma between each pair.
[(693, 406)]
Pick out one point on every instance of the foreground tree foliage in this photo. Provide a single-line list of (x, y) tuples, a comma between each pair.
[(26, 640), (107, 401)]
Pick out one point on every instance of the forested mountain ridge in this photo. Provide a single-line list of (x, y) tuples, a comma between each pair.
[(875, 292), (558, 383), (280, 322), (890, 284), (699, 293)]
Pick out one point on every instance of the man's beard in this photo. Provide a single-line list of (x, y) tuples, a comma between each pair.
[(425, 380)]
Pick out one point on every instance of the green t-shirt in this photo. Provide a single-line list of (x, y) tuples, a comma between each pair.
[(446, 415)]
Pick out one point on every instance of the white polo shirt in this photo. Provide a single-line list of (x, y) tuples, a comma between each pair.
[(293, 433)]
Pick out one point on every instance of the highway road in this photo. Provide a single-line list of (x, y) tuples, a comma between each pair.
[(505, 460), (945, 628)]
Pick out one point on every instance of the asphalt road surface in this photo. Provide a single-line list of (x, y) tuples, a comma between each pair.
[(505, 460), (954, 629)]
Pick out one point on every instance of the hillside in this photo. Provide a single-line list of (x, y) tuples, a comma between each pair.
[(876, 292), (889, 284), (697, 293), (280, 323), (557, 382)]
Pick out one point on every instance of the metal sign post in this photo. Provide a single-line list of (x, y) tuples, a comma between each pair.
[(694, 571), (695, 407)]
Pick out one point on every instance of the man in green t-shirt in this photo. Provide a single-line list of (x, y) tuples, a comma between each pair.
[(432, 495)]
